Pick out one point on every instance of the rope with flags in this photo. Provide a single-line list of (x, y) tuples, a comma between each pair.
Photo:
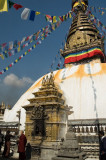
[(30, 14), (52, 27), (17, 46)]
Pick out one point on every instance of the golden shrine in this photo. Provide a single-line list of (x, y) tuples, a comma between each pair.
[(46, 116)]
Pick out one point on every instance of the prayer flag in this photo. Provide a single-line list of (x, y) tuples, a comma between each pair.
[(48, 18), (7, 68), (15, 44), (9, 53), (61, 18), (23, 40), (4, 45), (26, 44), (58, 19), (3, 6), (19, 48), (17, 6), (12, 52), (11, 4), (102, 13), (10, 45), (25, 13), (1, 55), (30, 37), (54, 19), (37, 13), (64, 17), (32, 15), (34, 45)]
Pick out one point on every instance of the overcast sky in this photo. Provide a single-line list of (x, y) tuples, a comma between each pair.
[(22, 75)]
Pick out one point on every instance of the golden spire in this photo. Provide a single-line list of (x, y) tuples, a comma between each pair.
[(84, 42)]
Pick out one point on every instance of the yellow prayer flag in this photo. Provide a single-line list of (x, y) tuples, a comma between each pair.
[(37, 13), (70, 15), (42, 35), (54, 19), (64, 17), (3, 6), (1, 55), (53, 27), (34, 45), (102, 13), (19, 48), (7, 68)]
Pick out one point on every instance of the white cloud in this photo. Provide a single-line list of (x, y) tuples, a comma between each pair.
[(13, 80)]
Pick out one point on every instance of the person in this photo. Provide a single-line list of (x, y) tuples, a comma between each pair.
[(1, 140), (6, 151), (102, 145), (28, 151), (21, 146)]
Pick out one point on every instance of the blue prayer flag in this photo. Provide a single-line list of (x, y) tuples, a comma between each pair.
[(32, 15)]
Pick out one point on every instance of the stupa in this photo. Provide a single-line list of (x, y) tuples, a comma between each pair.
[(70, 149), (82, 81)]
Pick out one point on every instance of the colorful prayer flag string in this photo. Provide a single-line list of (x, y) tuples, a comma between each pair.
[(97, 21), (15, 47), (97, 9), (30, 14), (52, 27)]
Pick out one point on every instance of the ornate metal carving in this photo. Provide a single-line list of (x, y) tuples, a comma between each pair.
[(37, 113), (38, 123)]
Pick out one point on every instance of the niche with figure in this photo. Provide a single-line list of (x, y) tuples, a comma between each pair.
[(38, 121)]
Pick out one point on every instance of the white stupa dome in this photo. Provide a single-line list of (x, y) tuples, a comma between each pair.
[(83, 88)]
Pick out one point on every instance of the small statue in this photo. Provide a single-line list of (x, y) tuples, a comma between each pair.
[(43, 81)]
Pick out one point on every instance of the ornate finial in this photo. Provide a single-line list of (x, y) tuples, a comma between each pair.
[(79, 5)]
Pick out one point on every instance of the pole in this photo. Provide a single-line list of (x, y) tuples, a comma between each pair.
[(98, 129)]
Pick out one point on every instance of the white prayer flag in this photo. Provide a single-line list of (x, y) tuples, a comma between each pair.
[(25, 13)]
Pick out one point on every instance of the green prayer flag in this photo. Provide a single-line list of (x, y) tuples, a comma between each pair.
[(10, 4)]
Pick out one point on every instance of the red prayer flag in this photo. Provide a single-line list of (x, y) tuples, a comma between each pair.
[(23, 45), (9, 53), (17, 6), (10, 65), (27, 39), (61, 18), (4, 44)]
